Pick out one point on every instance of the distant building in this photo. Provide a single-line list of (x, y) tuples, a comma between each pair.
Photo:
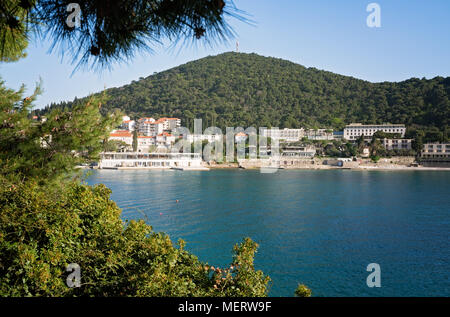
[(145, 143), (165, 139), (128, 125), (299, 151), (211, 138), (170, 124), (436, 151), (121, 135), (435, 155), (397, 144), (148, 127), (355, 130), (240, 137), (319, 134), (365, 152), (338, 135), (152, 127), (289, 135)]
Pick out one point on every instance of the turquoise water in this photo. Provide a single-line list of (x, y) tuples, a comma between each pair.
[(320, 228)]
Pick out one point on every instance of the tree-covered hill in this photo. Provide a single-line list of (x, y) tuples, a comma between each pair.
[(237, 89)]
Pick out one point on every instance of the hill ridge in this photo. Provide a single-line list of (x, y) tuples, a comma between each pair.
[(247, 89)]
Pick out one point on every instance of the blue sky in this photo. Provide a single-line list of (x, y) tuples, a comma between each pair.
[(413, 41)]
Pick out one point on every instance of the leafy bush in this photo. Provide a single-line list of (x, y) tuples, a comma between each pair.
[(303, 291), (42, 232)]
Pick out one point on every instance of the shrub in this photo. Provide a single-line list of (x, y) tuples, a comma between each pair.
[(42, 232), (303, 291)]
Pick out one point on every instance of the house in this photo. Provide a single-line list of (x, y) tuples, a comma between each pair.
[(165, 139), (365, 152), (145, 143), (122, 135)]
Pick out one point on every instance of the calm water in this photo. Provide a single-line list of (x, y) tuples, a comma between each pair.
[(320, 228)]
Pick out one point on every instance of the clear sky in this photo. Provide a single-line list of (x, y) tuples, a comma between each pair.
[(413, 41)]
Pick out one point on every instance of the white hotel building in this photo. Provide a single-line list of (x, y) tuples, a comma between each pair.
[(289, 135), (355, 130)]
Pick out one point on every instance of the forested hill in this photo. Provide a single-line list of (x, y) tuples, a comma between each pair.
[(237, 89)]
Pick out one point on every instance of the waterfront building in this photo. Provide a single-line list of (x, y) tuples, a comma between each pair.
[(436, 151), (112, 160), (397, 144), (288, 135), (435, 155), (299, 151), (355, 130)]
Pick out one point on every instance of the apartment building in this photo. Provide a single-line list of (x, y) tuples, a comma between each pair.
[(152, 127), (397, 144), (170, 124), (355, 130), (436, 151)]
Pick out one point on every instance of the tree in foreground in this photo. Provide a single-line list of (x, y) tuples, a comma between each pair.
[(101, 32)]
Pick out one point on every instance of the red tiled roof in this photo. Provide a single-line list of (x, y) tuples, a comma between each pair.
[(121, 134), (164, 134)]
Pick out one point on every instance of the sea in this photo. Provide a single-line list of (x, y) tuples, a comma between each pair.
[(321, 228)]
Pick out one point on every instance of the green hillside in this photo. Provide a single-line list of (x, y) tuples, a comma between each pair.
[(236, 89)]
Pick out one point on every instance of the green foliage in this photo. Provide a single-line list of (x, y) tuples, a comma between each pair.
[(13, 33), (46, 225), (245, 90), (113, 145), (110, 32), (375, 158), (42, 232), (134, 144), (303, 291), (49, 149)]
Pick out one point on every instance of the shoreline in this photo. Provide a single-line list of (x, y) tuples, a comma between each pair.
[(328, 168)]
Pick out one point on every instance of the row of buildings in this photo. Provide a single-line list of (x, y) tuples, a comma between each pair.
[(159, 133)]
